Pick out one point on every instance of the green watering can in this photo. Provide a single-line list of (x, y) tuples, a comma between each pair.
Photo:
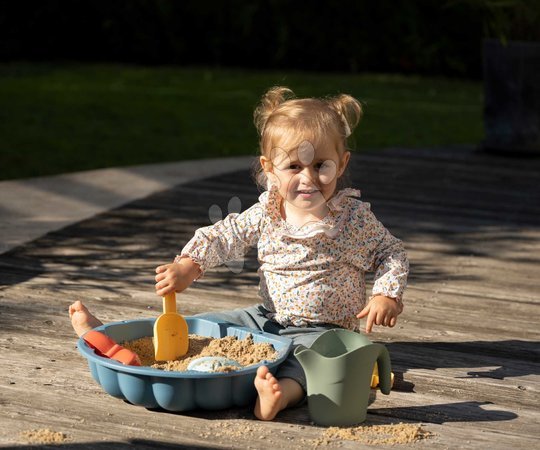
[(338, 366)]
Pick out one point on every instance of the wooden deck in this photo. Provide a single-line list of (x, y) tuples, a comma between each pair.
[(465, 349)]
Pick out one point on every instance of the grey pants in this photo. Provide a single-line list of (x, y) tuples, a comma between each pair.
[(255, 317)]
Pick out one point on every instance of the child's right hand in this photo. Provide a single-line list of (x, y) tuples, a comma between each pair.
[(176, 277)]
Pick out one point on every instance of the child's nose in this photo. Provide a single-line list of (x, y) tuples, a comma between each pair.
[(309, 172)]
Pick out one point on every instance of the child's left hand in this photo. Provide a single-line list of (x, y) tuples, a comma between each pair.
[(381, 310)]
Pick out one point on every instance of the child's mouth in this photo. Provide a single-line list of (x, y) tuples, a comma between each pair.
[(307, 193)]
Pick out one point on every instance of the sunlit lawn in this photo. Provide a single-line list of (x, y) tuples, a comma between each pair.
[(61, 118)]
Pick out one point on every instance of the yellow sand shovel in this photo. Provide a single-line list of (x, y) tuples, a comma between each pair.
[(170, 332)]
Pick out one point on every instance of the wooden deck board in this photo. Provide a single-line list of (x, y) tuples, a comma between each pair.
[(465, 349)]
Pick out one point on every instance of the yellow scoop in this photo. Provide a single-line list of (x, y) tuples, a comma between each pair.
[(170, 332)]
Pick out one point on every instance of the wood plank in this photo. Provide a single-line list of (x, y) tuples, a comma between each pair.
[(465, 350)]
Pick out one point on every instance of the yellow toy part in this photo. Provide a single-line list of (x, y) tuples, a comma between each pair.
[(171, 338), (375, 377)]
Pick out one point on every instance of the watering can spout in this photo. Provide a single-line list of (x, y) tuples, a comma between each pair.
[(308, 358)]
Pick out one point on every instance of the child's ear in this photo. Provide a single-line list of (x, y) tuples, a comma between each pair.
[(344, 162), (266, 164)]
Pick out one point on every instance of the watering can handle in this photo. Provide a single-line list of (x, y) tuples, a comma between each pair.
[(385, 370)]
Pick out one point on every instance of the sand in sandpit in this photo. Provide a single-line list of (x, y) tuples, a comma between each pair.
[(244, 351)]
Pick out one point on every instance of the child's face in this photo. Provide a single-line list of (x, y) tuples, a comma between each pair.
[(306, 176)]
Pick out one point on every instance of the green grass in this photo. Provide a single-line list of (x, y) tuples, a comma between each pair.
[(62, 118)]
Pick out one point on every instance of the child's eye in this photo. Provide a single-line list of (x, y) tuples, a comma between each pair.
[(294, 167)]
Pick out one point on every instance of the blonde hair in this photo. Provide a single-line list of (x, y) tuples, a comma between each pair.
[(284, 121)]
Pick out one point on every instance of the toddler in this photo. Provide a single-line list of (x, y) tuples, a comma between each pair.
[(315, 241)]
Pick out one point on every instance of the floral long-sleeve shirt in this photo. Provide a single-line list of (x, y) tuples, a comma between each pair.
[(313, 274)]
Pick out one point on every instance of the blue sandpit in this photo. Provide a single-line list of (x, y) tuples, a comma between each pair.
[(179, 391)]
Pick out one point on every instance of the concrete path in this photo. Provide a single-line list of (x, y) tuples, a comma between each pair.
[(30, 208)]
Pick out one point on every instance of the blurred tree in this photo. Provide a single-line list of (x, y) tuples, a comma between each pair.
[(421, 36)]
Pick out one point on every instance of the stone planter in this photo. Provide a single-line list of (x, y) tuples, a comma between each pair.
[(512, 96)]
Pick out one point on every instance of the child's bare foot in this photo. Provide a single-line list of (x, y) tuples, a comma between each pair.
[(82, 320), (270, 400)]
